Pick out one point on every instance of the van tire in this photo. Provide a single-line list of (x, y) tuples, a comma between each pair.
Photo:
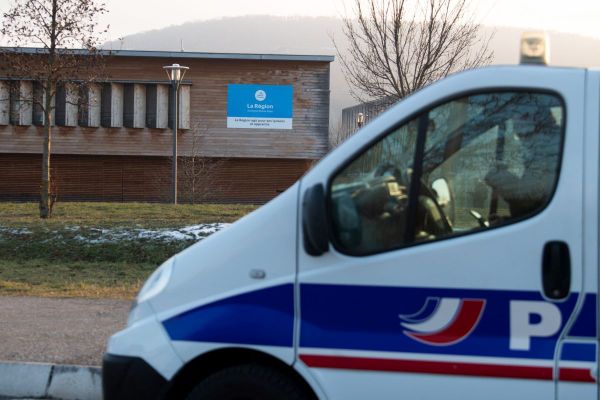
[(249, 382)]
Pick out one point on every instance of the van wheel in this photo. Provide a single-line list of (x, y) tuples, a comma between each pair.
[(249, 382)]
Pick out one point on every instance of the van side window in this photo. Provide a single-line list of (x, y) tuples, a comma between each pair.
[(467, 165), (370, 196)]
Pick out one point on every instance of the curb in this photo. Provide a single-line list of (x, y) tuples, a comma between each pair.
[(54, 381)]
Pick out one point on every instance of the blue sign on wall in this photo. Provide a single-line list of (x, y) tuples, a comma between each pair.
[(259, 106)]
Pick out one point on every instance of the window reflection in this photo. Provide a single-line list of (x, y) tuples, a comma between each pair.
[(486, 159)]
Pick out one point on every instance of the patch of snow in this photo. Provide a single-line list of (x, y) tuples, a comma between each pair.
[(194, 232), (97, 236), (15, 231)]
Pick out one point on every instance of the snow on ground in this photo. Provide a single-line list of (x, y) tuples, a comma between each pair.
[(189, 232), (15, 231), (105, 235)]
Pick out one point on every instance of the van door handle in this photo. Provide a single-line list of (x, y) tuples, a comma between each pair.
[(556, 270)]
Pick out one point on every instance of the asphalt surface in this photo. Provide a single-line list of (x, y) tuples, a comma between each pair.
[(61, 331)]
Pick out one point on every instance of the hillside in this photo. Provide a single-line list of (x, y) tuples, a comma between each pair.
[(312, 35)]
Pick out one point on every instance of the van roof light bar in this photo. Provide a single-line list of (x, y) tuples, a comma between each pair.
[(535, 48)]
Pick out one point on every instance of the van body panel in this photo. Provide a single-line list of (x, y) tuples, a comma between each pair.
[(578, 336), (147, 340), (212, 286), (219, 266), (260, 317), (261, 320), (375, 321)]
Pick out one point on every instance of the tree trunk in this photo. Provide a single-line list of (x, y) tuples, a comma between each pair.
[(193, 199), (45, 209)]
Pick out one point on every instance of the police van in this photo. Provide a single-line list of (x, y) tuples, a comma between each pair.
[(449, 250)]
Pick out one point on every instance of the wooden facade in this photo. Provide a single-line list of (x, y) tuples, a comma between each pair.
[(124, 155), (147, 179)]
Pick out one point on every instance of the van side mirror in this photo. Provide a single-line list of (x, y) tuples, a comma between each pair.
[(314, 221)]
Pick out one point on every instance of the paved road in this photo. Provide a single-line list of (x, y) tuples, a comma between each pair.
[(63, 331)]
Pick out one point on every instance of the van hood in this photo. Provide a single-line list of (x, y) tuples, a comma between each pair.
[(255, 252)]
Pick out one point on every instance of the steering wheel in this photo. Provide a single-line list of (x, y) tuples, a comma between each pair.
[(389, 169), (430, 214), (394, 181)]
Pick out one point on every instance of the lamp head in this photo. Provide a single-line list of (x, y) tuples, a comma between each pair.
[(175, 72), (360, 119)]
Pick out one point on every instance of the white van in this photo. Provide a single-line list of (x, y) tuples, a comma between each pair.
[(449, 250)]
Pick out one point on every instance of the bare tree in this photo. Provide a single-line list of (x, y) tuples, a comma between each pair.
[(65, 38), (396, 47), (198, 172)]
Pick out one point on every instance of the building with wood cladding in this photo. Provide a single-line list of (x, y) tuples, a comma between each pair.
[(249, 125)]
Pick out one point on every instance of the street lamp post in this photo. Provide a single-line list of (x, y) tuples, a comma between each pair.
[(175, 75), (360, 120)]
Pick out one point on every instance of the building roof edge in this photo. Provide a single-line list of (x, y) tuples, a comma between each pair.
[(189, 54)]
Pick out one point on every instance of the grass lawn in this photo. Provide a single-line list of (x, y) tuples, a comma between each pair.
[(143, 215), (94, 249)]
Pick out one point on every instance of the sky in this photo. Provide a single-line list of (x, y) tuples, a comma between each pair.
[(132, 16)]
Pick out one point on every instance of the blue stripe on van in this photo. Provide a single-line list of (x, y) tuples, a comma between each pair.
[(261, 317), (573, 351), (585, 324), (371, 318)]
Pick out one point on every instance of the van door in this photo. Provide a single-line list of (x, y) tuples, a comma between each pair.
[(579, 345), (455, 255)]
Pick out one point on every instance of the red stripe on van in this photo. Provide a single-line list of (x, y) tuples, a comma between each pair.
[(576, 375), (445, 368)]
